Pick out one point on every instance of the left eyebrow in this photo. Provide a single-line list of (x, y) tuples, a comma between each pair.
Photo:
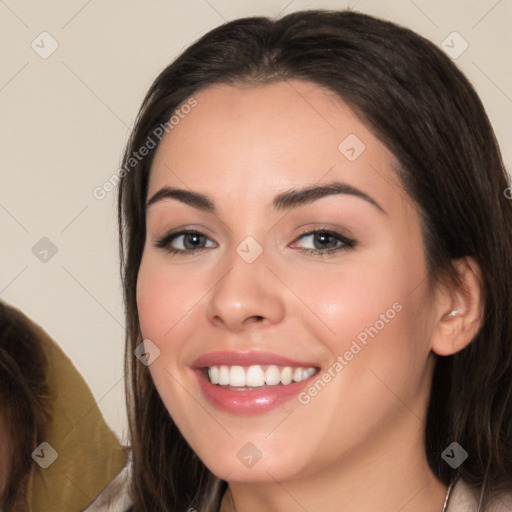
[(298, 197), (284, 201)]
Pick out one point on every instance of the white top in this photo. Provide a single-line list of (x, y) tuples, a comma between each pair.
[(463, 498), (115, 497)]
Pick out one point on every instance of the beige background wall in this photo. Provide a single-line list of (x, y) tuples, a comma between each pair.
[(65, 118)]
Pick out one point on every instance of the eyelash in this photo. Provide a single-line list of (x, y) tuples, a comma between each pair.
[(347, 243)]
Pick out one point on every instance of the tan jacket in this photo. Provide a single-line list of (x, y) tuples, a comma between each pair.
[(81, 454)]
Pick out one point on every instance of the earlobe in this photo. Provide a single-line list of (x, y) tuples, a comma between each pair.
[(459, 311)]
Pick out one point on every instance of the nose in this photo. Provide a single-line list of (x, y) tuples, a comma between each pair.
[(247, 295)]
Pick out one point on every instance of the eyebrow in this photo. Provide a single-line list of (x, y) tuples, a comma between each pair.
[(284, 201)]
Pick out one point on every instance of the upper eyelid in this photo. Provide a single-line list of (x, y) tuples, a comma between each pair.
[(159, 233)]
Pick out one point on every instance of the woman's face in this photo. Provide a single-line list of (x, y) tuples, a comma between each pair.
[(261, 301)]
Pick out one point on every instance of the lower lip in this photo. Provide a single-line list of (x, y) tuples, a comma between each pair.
[(250, 402)]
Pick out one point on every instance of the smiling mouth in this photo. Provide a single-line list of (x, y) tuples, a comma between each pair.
[(244, 378)]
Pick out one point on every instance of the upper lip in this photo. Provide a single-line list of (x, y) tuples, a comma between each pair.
[(234, 358)]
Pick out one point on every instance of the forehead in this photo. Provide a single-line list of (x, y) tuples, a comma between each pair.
[(253, 141)]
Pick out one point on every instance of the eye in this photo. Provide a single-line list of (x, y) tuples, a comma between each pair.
[(189, 240), (325, 241)]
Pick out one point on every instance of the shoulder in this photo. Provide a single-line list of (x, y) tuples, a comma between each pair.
[(465, 498), (115, 497)]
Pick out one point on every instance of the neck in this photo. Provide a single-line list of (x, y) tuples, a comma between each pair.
[(426, 495), (386, 476)]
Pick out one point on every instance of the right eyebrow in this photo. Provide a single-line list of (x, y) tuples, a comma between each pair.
[(195, 199)]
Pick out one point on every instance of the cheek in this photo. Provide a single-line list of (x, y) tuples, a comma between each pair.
[(382, 304), (371, 320), (164, 296)]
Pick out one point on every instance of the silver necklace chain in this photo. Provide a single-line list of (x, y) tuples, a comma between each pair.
[(448, 492)]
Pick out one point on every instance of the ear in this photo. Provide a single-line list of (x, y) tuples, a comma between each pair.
[(458, 311)]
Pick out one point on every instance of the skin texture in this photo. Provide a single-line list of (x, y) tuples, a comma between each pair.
[(358, 442)]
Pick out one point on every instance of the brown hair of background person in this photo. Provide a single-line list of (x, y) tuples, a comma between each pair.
[(426, 112), (23, 411)]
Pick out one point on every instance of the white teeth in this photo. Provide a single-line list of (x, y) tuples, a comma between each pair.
[(223, 375), (307, 373), (297, 375), (272, 375), (256, 376), (213, 373), (286, 375), (237, 376)]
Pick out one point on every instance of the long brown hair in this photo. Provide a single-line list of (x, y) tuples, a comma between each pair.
[(23, 404), (426, 112)]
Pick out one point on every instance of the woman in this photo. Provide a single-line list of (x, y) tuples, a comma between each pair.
[(317, 259), (23, 406), (49, 420)]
